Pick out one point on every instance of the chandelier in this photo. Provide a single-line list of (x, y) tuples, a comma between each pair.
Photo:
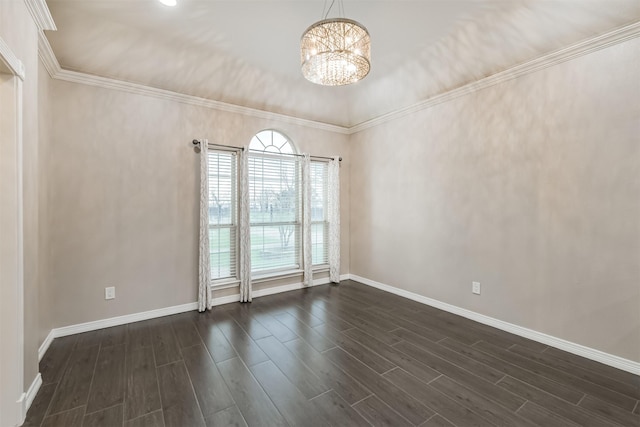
[(335, 52)]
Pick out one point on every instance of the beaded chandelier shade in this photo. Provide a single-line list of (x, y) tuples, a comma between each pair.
[(335, 52)]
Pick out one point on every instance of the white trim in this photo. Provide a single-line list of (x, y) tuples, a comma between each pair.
[(578, 349), (593, 44), (27, 398), (292, 273), (12, 62), (33, 391), (20, 153), (275, 275), (45, 345), (56, 72), (225, 285), (287, 288), (585, 47), (228, 299), (41, 14), (167, 311), (46, 55), (121, 320), (12, 239), (280, 289), (273, 290)]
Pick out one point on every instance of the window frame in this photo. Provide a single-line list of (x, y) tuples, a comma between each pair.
[(267, 274), (233, 280), (325, 189), (296, 268)]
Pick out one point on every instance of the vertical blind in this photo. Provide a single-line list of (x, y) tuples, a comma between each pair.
[(223, 214), (275, 211)]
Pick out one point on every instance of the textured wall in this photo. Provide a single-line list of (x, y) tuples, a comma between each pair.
[(123, 197), (531, 187)]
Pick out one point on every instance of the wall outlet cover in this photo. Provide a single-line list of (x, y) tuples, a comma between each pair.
[(110, 292), (475, 287)]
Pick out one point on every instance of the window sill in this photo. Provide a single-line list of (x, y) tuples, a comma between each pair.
[(216, 286), (276, 275), (320, 268)]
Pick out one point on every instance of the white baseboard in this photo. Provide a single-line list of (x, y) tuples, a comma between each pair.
[(27, 397), (274, 290), (32, 391), (161, 312), (577, 349), (226, 299), (293, 287), (121, 320), (45, 345), (113, 321)]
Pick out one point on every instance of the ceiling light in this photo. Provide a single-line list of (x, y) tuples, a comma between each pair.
[(335, 52), (169, 2)]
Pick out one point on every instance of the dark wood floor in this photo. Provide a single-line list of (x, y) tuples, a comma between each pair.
[(345, 355)]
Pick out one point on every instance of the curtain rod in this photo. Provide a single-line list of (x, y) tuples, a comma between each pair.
[(228, 147), (234, 148)]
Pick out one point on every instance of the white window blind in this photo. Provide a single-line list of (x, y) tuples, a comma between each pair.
[(223, 214), (275, 212), (319, 219)]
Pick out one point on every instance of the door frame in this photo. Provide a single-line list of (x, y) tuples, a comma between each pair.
[(12, 396)]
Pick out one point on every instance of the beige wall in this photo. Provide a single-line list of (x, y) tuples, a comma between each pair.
[(531, 187), (123, 197), (19, 31)]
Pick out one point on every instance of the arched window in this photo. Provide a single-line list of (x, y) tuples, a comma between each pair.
[(271, 141), (275, 203), (275, 206)]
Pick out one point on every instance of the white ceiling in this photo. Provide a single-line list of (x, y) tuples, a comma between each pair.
[(247, 52)]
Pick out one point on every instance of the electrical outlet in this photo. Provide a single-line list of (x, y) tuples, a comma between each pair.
[(475, 287), (110, 292)]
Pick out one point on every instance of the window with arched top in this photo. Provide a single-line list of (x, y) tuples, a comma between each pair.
[(275, 203), (272, 141)]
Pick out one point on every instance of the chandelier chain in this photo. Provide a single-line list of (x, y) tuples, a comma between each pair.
[(329, 10), (325, 15)]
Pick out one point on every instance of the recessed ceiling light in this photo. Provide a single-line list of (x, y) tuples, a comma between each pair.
[(169, 2)]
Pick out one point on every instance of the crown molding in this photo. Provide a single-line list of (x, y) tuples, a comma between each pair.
[(41, 14), (109, 83), (616, 36), (10, 60), (585, 47), (52, 66), (46, 55)]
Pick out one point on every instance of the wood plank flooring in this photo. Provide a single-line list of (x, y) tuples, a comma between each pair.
[(346, 355)]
